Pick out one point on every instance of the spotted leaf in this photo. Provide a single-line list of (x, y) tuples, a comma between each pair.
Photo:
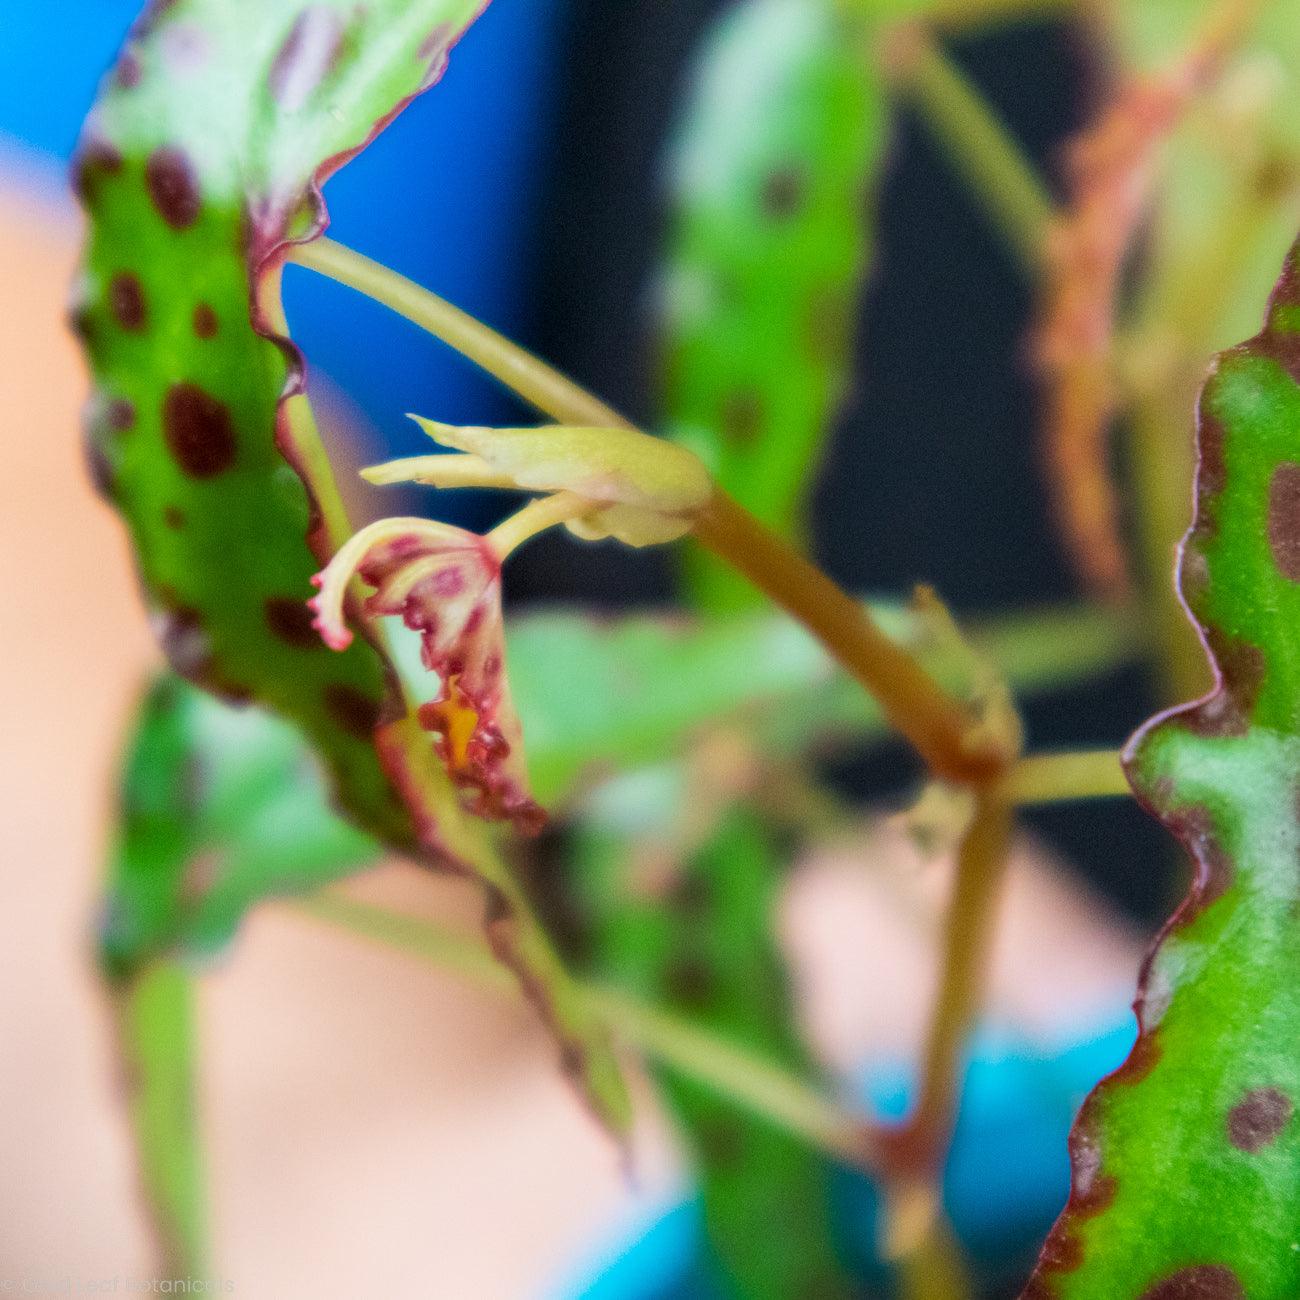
[(201, 160), (772, 177), (1187, 1160)]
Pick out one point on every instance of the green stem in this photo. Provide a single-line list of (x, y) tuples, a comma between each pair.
[(534, 381), (978, 145), (937, 723), (732, 1071), (921, 1243), (154, 1020), (1055, 778), (535, 518)]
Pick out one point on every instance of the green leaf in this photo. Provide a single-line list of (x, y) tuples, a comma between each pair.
[(1187, 1161), (198, 161), (773, 175), (220, 809), (201, 159), (154, 1018), (702, 945)]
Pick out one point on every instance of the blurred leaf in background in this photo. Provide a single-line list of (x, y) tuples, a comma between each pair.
[(774, 176), (220, 808)]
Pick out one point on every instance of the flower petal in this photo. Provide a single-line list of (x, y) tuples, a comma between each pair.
[(445, 583), (617, 466)]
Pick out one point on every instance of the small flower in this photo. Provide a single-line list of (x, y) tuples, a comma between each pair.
[(641, 490), (445, 583)]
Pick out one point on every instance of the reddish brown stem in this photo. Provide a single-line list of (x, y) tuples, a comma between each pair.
[(939, 726)]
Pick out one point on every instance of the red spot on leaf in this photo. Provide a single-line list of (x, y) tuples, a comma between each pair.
[(119, 415), (98, 465), (96, 161), (172, 187), (128, 72), (174, 518), (150, 16), (126, 301), (205, 321), (84, 325), (782, 193), (355, 711), (1201, 1282), (1227, 712), (308, 53), (198, 431), (1284, 519), (292, 622), (1257, 1119), (184, 640)]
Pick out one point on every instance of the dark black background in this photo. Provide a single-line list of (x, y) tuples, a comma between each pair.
[(932, 473)]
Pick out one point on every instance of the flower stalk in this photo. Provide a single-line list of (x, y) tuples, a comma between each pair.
[(938, 725)]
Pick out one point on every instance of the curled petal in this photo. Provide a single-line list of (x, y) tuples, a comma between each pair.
[(652, 489), (445, 583)]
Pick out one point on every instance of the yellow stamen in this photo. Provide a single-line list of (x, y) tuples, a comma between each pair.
[(460, 721)]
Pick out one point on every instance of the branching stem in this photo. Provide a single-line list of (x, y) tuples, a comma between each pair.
[(939, 725)]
